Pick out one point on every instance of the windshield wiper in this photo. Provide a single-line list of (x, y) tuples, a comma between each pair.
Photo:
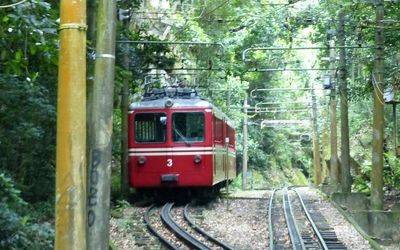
[(182, 136)]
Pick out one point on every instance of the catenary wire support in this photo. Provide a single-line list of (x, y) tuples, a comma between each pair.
[(246, 51)]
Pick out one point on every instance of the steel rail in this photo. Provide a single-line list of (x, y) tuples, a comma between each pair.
[(295, 236), (154, 231), (314, 227), (270, 225), (180, 232), (202, 232)]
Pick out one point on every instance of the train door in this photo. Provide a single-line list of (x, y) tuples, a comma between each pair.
[(225, 152), (218, 150), (170, 174)]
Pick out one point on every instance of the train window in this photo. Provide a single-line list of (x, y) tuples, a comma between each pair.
[(188, 127), (150, 127), (231, 135), (218, 130)]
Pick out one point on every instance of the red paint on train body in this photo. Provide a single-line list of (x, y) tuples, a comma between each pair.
[(180, 145)]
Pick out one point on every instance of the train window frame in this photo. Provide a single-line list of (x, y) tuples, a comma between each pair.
[(151, 142), (218, 126), (188, 141)]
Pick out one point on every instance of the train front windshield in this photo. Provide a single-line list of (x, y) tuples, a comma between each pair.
[(188, 127)]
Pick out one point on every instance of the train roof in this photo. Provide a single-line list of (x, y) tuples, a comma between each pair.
[(193, 102), (177, 103)]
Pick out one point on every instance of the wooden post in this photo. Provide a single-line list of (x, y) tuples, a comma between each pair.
[(70, 202), (334, 162), (316, 146), (378, 116), (101, 128), (344, 110), (245, 138)]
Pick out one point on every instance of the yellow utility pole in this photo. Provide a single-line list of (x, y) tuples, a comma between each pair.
[(70, 225)]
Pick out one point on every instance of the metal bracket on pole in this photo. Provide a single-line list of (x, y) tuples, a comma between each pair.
[(300, 48), (198, 69), (257, 105), (104, 56), (170, 42), (287, 69), (77, 26), (279, 89)]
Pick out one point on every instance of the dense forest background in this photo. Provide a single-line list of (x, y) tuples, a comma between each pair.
[(277, 155)]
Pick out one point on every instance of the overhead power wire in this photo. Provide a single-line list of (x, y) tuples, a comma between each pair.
[(377, 89), (12, 5), (219, 6)]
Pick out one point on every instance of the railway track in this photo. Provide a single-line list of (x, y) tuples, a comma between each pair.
[(320, 235), (326, 236), (185, 232), (278, 229), (294, 223)]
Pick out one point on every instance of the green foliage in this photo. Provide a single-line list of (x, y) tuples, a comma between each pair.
[(28, 73), (391, 171), (16, 229), (28, 77)]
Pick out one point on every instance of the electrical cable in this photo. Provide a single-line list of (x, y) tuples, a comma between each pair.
[(219, 6), (377, 88), (12, 5)]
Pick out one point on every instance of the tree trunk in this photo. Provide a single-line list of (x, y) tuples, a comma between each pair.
[(316, 146), (334, 161), (101, 128), (378, 118), (124, 129), (344, 112), (324, 152)]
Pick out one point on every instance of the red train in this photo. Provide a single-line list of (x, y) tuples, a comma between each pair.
[(177, 139)]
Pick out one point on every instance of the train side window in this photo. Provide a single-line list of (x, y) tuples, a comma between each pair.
[(231, 135), (150, 127), (188, 127), (218, 130)]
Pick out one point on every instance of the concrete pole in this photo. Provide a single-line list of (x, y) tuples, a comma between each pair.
[(70, 203), (344, 110), (245, 146), (316, 146), (334, 161), (378, 116), (101, 128)]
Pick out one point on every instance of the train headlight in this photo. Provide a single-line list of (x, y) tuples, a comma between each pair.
[(168, 103), (197, 159), (142, 160)]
